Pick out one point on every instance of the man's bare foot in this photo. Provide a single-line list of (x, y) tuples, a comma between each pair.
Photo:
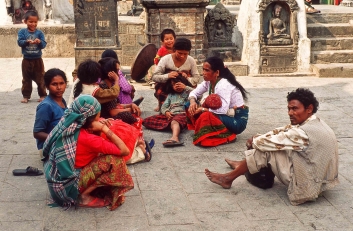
[(233, 164), (41, 99), (24, 100), (220, 179)]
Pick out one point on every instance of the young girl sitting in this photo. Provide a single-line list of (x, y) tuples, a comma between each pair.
[(172, 110), (52, 108)]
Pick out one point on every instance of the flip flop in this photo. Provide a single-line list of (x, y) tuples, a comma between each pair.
[(148, 150), (29, 171), (95, 203), (172, 143)]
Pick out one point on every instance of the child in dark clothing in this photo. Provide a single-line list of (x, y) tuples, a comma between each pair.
[(32, 41)]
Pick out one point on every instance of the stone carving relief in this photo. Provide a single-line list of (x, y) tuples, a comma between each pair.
[(219, 24), (278, 35)]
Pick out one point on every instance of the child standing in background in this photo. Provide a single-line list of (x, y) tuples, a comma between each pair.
[(167, 39), (32, 41)]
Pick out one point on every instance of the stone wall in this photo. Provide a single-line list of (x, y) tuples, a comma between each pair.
[(61, 40)]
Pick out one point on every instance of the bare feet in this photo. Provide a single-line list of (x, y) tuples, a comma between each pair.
[(94, 202), (24, 100), (41, 99), (233, 164), (220, 179)]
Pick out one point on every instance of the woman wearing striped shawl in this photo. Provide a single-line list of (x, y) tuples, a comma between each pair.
[(82, 168)]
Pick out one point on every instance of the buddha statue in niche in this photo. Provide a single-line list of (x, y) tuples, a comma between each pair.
[(277, 27), (219, 33)]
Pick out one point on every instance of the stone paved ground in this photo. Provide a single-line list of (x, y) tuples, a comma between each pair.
[(172, 192)]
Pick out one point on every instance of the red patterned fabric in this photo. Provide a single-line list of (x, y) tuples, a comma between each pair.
[(111, 177), (209, 130), (161, 122), (212, 101), (127, 133)]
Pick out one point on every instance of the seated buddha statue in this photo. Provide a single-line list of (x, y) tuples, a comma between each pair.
[(277, 27)]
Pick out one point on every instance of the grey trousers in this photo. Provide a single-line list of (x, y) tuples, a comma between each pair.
[(281, 163)]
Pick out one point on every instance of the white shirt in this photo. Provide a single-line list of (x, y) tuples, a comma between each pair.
[(230, 95)]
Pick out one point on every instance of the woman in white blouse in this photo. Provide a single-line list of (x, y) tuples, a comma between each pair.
[(218, 126)]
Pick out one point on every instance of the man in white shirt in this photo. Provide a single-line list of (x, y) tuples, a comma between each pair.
[(302, 155)]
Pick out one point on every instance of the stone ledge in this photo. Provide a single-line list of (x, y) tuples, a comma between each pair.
[(338, 70)]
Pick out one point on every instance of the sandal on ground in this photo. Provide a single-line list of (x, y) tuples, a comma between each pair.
[(29, 171), (172, 143), (148, 153), (139, 101), (95, 203)]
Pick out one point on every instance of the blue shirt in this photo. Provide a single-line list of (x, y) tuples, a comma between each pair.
[(31, 51), (48, 115)]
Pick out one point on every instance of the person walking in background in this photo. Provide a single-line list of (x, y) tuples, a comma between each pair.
[(32, 41)]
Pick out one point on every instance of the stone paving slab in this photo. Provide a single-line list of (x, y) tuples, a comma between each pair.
[(171, 192)]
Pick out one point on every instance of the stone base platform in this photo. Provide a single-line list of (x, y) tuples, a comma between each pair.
[(339, 70)]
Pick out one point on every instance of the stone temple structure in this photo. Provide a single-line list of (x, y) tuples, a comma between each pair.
[(274, 36), (219, 24), (96, 26), (185, 17)]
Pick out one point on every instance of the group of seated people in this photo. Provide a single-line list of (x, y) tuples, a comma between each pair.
[(86, 146)]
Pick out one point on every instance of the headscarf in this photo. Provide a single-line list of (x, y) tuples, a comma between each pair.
[(59, 150)]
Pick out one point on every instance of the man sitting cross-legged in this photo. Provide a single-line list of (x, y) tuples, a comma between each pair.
[(303, 155)]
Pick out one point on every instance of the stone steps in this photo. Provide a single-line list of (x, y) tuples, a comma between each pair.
[(330, 30), (295, 74), (335, 43), (331, 42), (329, 17), (332, 56), (340, 70)]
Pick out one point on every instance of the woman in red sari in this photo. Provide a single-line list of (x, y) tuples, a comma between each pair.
[(223, 115)]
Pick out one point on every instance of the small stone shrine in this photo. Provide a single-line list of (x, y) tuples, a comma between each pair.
[(276, 40), (96, 25), (219, 24), (185, 17)]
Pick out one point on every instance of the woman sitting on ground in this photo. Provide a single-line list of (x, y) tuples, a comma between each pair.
[(127, 91), (81, 167), (172, 111), (129, 113), (170, 66), (220, 124), (52, 108)]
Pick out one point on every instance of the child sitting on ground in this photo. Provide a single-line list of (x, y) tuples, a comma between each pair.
[(32, 41), (52, 108), (173, 112), (127, 91), (89, 74)]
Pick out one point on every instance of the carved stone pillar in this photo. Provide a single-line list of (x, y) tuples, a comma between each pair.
[(347, 3), (96, 25), (276, 39), (185, 17)]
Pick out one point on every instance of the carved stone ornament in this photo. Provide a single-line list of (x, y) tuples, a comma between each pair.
[(278, 36), (263, 4), (219, 24)]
